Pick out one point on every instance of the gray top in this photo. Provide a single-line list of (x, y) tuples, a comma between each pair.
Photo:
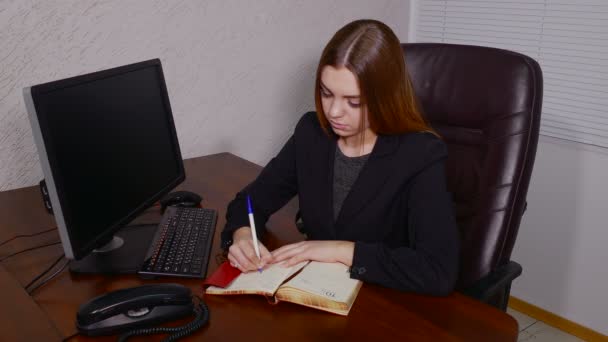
[(346, 171)]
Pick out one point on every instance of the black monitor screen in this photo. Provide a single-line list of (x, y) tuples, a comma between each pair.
[(112, 148)]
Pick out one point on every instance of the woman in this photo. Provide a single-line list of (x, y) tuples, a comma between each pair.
[(368, 171)]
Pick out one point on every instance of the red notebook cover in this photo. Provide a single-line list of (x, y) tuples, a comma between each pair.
[(223, 276)]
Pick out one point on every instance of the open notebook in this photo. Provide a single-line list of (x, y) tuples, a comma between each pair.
[(323, 286)]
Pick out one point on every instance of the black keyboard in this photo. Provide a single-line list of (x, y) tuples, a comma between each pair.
[(182, 244)]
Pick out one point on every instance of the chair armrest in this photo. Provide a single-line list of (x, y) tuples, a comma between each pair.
[(496, 281)]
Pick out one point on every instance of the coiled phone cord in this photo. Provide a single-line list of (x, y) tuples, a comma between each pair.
[(202, 317)]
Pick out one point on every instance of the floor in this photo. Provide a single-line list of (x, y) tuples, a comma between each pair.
[(531, 329)]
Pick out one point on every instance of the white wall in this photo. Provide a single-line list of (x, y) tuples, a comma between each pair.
[(239, 73), (562, 240)]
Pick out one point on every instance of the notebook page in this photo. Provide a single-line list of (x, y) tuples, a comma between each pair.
[(268, 280), (329, 280)]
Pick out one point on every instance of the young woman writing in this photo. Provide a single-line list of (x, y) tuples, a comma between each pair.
[(368, 172)]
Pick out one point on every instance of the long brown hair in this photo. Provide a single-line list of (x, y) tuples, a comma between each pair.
[(372, 52)]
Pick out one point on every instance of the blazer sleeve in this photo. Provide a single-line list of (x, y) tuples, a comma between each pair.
[(271, 190), (430, 264)]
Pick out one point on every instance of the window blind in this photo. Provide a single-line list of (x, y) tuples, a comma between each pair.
[(569, 39)]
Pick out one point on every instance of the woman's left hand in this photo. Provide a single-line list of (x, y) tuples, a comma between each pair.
[(323, 251)]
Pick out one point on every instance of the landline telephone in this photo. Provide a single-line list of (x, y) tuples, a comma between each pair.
[(133, 310)]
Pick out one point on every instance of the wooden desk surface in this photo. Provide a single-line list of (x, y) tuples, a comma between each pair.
[(378, 313)]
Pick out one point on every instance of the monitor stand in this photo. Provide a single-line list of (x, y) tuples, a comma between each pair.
[(124, 254)]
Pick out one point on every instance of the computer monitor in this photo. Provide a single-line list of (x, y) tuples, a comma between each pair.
[(108, 150)]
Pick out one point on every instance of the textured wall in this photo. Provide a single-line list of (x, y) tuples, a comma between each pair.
[(239, 73)]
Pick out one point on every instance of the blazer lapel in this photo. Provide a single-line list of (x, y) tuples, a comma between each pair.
[(327, 188), (371, 178), (320, 176)]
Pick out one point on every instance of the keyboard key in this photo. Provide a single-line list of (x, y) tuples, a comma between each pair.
[(182, 244)]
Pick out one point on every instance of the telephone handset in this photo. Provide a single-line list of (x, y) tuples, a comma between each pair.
[(136, 309)]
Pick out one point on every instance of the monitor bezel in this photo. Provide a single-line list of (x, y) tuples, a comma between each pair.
[(50, 167)]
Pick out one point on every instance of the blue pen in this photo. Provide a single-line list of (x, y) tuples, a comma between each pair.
[(253, 232)]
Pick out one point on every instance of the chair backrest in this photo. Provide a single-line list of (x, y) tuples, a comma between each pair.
[(486, 105)]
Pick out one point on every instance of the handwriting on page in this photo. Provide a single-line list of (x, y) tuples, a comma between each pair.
[(330, 280), (268, 280)]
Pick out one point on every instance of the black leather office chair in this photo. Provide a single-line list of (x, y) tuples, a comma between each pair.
[(486, 104)]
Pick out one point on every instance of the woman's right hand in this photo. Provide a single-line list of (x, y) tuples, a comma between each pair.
[(241, 253)]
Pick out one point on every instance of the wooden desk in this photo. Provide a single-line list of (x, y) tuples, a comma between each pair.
[(378, 313)]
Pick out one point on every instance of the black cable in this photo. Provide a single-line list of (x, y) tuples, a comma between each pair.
[(27, 235), (54, 243), (55, 228), (45, 271), (201, 312), (51, 277), (30, 249)]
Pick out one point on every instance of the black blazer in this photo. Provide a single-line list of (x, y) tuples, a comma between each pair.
[(398, 212)]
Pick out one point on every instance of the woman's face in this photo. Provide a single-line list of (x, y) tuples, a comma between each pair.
[(340, 98)]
